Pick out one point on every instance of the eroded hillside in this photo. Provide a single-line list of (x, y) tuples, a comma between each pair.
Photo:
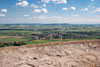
[(58, 54)]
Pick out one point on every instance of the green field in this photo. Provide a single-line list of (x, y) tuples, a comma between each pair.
[(26, 34), (13, 39), (30, 41)]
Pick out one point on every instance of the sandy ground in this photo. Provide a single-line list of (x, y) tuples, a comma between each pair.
[(59, 54)]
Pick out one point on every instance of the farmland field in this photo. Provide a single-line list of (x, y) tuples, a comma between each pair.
[(23, 34)]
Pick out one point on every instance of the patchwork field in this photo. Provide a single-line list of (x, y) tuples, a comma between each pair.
[(29, 41), (23, 34)]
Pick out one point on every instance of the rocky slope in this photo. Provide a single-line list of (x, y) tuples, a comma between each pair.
[(58, 54)]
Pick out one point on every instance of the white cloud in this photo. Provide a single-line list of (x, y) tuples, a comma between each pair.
[(46, 1), (34, 6), (26, 15), (44, 10), (56, 1), (44, 5), (95, 11), (36, 11), (62, 1), (73, 8), (55, 19), (67, 19), (75, 15), (85, 9), (22, 3), (4, 10), (64, 9), (98, 9), (2, 15)]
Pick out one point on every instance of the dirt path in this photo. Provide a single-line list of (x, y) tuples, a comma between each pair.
[(59, 54)]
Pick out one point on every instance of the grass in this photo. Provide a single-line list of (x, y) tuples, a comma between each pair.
[(11, 39), (41, 41), (29, 41), (55, 40)]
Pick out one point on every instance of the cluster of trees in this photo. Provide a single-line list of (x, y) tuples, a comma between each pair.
[(66, 35), (12, 44)]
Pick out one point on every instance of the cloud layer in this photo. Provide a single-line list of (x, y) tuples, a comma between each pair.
[(51, 11)]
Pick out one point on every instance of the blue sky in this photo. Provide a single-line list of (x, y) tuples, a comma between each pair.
[(50, 11)]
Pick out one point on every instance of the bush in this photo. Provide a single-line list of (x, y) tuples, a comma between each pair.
[(18, 43), (12, 44)]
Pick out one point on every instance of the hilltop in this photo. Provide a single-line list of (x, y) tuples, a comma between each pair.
[(58, 54)]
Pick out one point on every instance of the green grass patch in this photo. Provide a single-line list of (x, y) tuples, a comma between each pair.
[(55, 40), (13, 40), (29, 41)]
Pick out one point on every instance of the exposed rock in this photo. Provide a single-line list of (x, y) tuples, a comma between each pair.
[(58, 54)]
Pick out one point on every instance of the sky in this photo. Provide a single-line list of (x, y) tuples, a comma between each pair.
[(50, 11)]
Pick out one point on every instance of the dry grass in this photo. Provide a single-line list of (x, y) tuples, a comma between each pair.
[(2, 37)]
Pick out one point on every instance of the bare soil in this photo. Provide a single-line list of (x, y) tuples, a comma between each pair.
[(59, 54)]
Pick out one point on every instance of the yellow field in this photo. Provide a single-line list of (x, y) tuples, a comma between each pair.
[(3, 37)]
